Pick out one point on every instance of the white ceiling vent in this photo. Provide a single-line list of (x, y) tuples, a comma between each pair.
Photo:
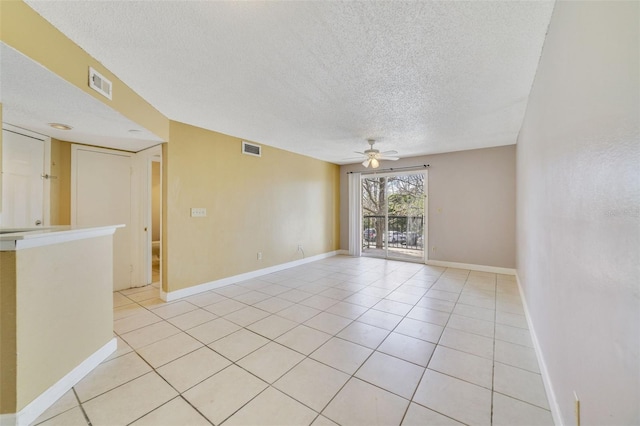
[(251, 149), (99, 83)]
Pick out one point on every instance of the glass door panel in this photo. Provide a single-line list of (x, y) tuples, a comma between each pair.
[(374, 212), (393, 216), (405, 207)]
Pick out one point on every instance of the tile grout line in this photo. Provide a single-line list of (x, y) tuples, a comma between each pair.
[(411, 400), (154, 370), (84, 413), (333, 335), (431, 357), (353, 375), (306, 357)]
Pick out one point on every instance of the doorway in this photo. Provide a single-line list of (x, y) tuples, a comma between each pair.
[(118, 187), (393, 216), (156, 221)]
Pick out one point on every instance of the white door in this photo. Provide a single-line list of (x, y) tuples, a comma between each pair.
[(23, 168), (101, 195)]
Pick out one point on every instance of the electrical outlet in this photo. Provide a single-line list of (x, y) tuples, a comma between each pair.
[(299, 247), (434, 249), (259, 255), (198, 212)]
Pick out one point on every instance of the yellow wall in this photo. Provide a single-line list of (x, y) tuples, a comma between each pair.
[(7, 332), (268, 204), (26, 31), (62, 314), (60, 206)]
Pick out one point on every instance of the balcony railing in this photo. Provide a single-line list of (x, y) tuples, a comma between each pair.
[(404, 232)]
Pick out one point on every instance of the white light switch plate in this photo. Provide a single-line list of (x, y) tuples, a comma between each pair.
[(198, 212)]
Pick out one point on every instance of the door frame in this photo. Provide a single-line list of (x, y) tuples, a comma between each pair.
[(425, 237), (146, 159), (141, 182), (46, 167)]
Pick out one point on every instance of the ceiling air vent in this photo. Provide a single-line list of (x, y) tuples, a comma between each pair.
[(99, 83), (251, 149)]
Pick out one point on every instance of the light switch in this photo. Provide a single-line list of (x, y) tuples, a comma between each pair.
[(198, 212)]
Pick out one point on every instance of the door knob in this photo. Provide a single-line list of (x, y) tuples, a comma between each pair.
[(38, 222)]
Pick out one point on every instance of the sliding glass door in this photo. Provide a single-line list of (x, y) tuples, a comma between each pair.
[(393, 216)]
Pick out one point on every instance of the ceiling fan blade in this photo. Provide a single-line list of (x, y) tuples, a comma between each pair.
[(354, 159), (372, 156)]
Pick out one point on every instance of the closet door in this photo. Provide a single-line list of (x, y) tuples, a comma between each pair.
[(101, 194)]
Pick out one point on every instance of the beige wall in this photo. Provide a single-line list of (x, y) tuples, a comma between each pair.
[(63, 313), (268, 204), (578, 161), (471, 205), (7, 332), (60, 196), (26, 31)]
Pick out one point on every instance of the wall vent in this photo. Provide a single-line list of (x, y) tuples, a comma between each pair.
[(99, 83), (251, 149)]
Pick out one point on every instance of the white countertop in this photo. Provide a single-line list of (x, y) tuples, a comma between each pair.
[(22, 238)]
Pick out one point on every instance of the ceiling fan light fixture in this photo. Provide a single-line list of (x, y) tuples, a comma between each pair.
[(372, 156)]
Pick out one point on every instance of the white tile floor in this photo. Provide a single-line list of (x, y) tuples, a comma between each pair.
[(348, 341)]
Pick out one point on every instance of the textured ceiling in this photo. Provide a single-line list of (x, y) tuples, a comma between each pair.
[(320, 77), (32, 96)]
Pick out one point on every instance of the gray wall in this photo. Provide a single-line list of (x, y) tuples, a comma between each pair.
[(471, 205), (578, 223)]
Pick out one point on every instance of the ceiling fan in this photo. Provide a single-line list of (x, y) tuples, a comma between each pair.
[(373, 156)]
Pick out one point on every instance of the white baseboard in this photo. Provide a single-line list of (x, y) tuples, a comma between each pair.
[(546, 379), (342, 252), (472, 267), (190, 291), (46, 399)]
